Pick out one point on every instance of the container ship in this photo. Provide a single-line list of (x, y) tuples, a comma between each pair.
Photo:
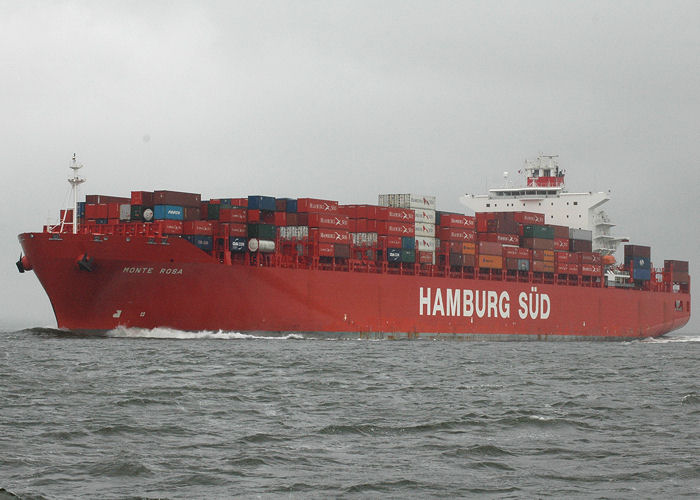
[(531, 263)]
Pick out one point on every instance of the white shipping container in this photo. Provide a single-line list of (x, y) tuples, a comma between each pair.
[(425, 215), (125, 212), (421, 201), (407, 200), (425, 229), (580, 234), (426, 244), (366, 239)]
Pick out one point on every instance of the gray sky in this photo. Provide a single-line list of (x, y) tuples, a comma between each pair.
[(345, 100)]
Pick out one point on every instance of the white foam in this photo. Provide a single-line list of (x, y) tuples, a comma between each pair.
[(170, 333), (674, 339)]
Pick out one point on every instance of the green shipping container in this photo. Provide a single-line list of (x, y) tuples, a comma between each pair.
[(408, 255), (535, 231), (262, 231)]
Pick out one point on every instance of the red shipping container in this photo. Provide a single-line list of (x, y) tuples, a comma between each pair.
[(349, 210), (393, 214), (590, 258), (91, 211), (239, 215), (504, 239), (198, 227), (456, 246), (538, 243), (561, 243), (204, 211), (98, 199), (516, 253), (234, 229), (168, 226), (102, 211), (457, 221), (452, 234), (312, 205), (177, 198), (340, 236), (530, 218), (425, 257), (280, 218), (580, 246), (490, 248), (252, 215), (239, 202), (566, 268), (387, 228), (566, 258), (393, 241), (591, 269), (468, 260), (336, 221), (144, 198), (113, 210), (362, 226), (326, 249), (560, 231)]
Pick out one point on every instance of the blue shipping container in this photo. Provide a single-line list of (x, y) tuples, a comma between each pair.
[(291, 206), (408, 242), (237, 244), (225, 202), (81, 209), (642, 274), (170, 212), (393, 254), (261, 203), (639, 263), (203, 242), (523, 265)]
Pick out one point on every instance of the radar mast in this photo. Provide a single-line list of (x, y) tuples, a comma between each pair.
[(75, 181)]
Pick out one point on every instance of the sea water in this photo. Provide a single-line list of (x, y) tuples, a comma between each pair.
[(168, 414)]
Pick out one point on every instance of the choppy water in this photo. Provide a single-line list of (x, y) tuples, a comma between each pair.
[(167, 414)]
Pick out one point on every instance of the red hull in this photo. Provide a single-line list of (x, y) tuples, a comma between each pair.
[(137, 283)]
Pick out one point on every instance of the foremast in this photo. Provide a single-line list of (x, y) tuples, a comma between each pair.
[(75, 181)]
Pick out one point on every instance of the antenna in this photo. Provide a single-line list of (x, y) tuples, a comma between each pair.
[(75, 181)]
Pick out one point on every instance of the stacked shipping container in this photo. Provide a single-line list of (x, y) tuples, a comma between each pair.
[(402, 229)]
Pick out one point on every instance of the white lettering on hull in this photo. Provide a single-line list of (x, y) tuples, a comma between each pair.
[(149, 270), (481, 303)]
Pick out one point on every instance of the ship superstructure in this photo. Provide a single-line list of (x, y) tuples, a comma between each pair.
[(545, 192)]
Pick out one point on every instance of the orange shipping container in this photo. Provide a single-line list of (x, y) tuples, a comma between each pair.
[(539, 266), (468, 248), (491, 261)]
